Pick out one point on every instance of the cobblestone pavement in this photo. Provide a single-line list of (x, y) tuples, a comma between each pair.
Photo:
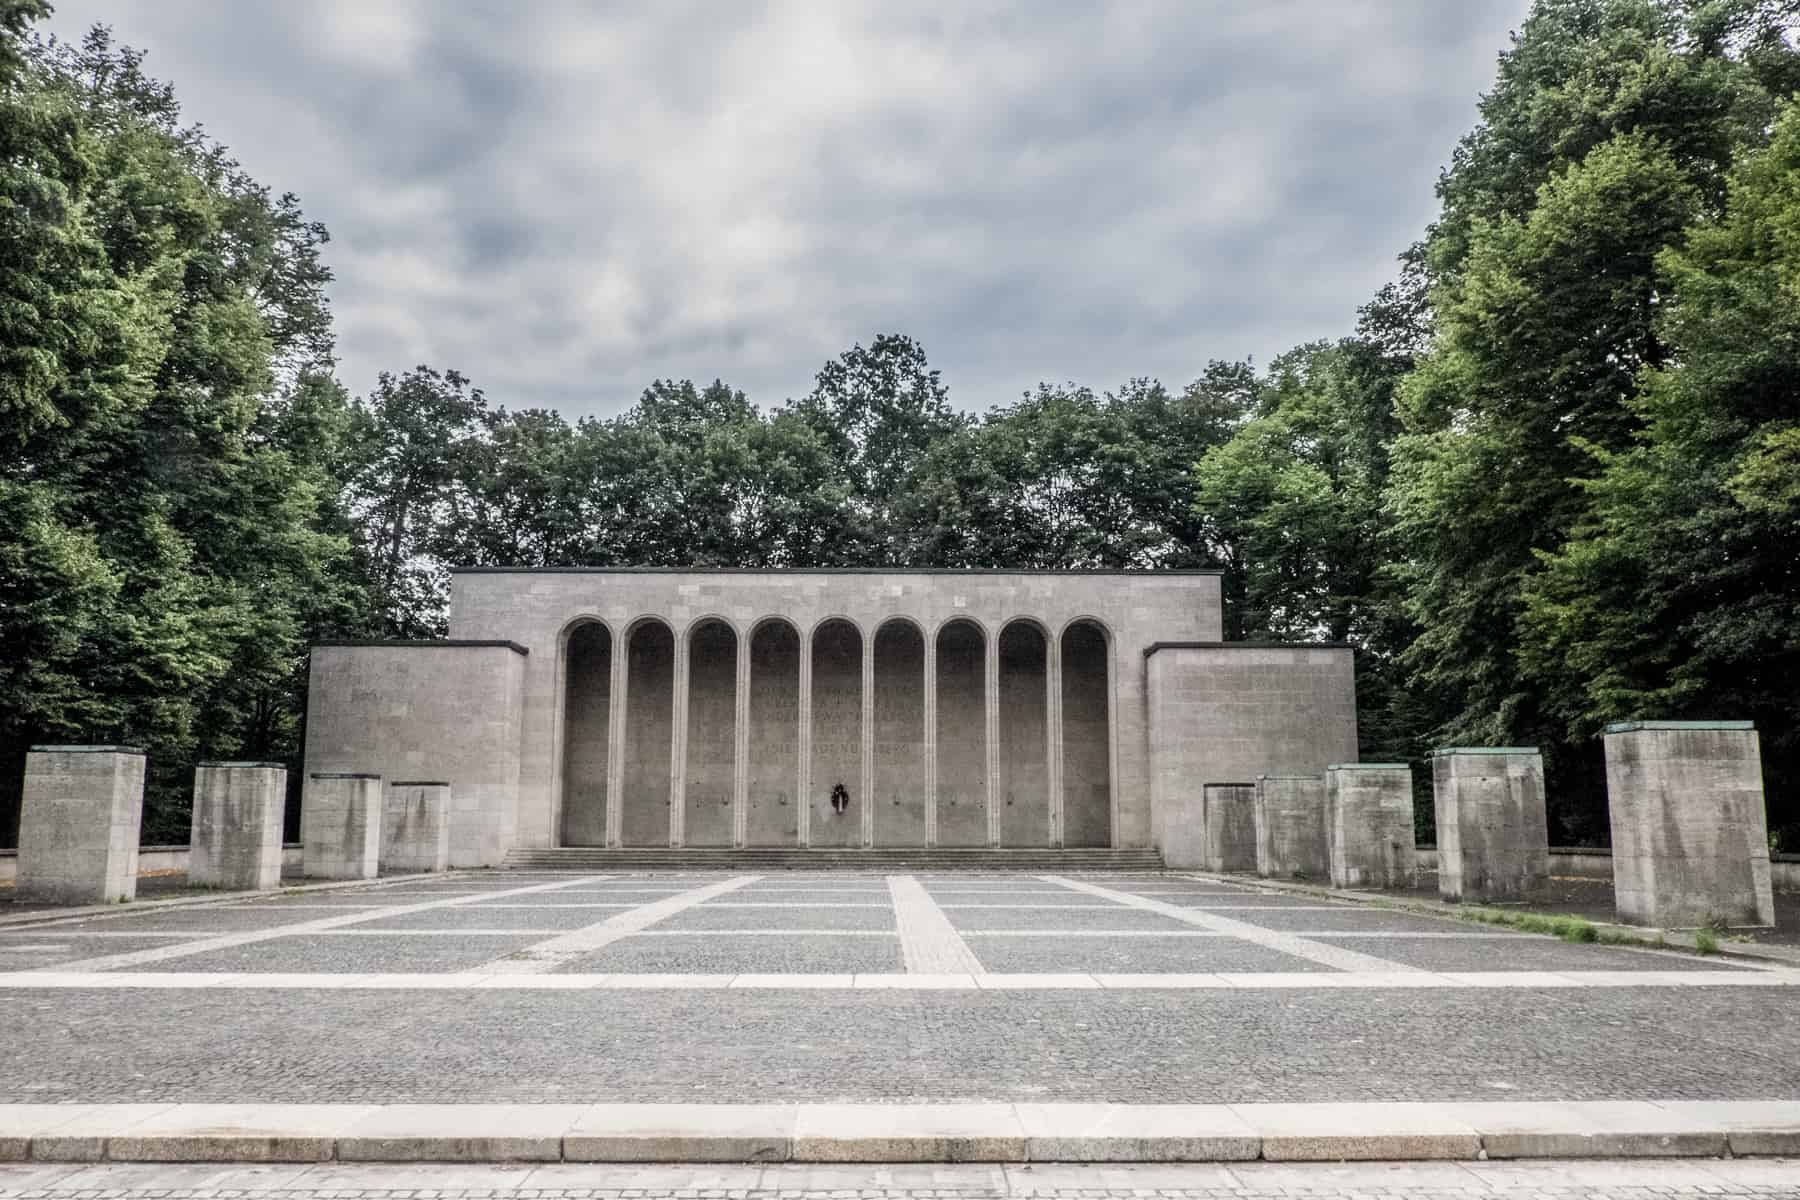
[(684, 986), (1632, 1180)]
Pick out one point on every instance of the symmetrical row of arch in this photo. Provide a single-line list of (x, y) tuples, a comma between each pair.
[(724, 737)]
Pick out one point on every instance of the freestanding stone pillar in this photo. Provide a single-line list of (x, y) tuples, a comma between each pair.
[(1493, 842), (1690, 835), (78, 824), (236, 832), (1230, 813), (415, 826), (1369, 814), (1291, 838), (340, 826)]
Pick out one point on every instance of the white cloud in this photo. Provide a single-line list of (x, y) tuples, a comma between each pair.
[(565, 200)]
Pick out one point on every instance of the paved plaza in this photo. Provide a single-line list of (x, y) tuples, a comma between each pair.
[(1005, 1000), (1762, 1178)]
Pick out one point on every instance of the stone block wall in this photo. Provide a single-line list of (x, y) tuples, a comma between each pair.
[(78, 824), (1690, 835), (1230, 826), (340, 825), (1369, 816), (1493, 838), (235, 838), (415, 827), (1225, 711), (1292, 838), (429, 710)]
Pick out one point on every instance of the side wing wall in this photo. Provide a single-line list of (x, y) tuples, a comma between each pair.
[(427, 711), (1228, 713)]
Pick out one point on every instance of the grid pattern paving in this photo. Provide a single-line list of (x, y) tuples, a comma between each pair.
[(954, 987)]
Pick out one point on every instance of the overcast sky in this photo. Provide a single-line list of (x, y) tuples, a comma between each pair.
[(566, 200)]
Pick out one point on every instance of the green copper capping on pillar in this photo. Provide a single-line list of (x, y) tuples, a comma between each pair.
[(1636, 726), (1448, 751)]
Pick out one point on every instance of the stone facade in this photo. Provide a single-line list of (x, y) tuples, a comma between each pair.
[(426, 710), (1224, 711), (1230, 826), (340, 825), (1493, 839), (1292, 836), (1369, 816), (236, 833), (1690, 835), (415, 827), (726, 708), (78, 824)]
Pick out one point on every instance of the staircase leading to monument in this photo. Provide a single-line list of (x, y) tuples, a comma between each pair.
[(789, 858)]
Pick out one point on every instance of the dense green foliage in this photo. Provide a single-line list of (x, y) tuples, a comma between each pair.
[(1551, 479)]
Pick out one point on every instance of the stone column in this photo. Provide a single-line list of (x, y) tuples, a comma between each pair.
[(991, 714), (340, 826), (415, 826), (867, 779), (931, 740), (620, 686), (1493, 841), (1690, 841), (803, 781), (1230, 815), (235, 837), (1369, 813), (78, 824), (1291, 837), (1053, 734), (740, 765), (678, 724)]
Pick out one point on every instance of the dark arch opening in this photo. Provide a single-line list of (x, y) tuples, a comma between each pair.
[(1086, 737), (649, 734), (587, 713), (961, 735), (899, 735)]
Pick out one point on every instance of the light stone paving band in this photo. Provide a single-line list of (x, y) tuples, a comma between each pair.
[(554, 952), (929, 944)]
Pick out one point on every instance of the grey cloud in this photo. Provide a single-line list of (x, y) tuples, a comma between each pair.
[(565, 200)]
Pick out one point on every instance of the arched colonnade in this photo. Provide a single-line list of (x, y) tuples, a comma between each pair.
[(837, 735)]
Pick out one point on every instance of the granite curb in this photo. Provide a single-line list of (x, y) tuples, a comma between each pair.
[(869, 1133), (1672, 939)]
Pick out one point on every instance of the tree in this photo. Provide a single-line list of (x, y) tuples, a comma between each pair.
[(1678, 593)]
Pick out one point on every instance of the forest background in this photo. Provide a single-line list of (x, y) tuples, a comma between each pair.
[(1549, 479)]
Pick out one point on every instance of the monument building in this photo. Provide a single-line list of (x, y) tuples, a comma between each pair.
[(828, 708)]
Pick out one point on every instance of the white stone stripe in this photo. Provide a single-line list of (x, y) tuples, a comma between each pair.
[(1273, 939), (929, 944), (249, 936), (792, 904), (59, 978), (767, 933), (552, 953), (863, 1133)]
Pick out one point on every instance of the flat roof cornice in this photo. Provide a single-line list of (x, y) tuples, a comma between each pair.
[(1153, 647), (1133, 571)]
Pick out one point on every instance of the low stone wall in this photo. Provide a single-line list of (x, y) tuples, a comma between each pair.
[(1595, 862), (152, 860)]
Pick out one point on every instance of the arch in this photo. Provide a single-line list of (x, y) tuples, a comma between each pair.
[(899, 733), (1087, 733), (649, 733), (1024, 745), (837, 650), (586, 731), (961, 733), (774, 762), (710, 772)]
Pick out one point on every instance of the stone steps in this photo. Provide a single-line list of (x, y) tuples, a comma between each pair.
[(584, 858)]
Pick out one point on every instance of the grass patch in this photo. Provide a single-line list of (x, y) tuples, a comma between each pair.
[(1569, 929), (1706, 941)]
